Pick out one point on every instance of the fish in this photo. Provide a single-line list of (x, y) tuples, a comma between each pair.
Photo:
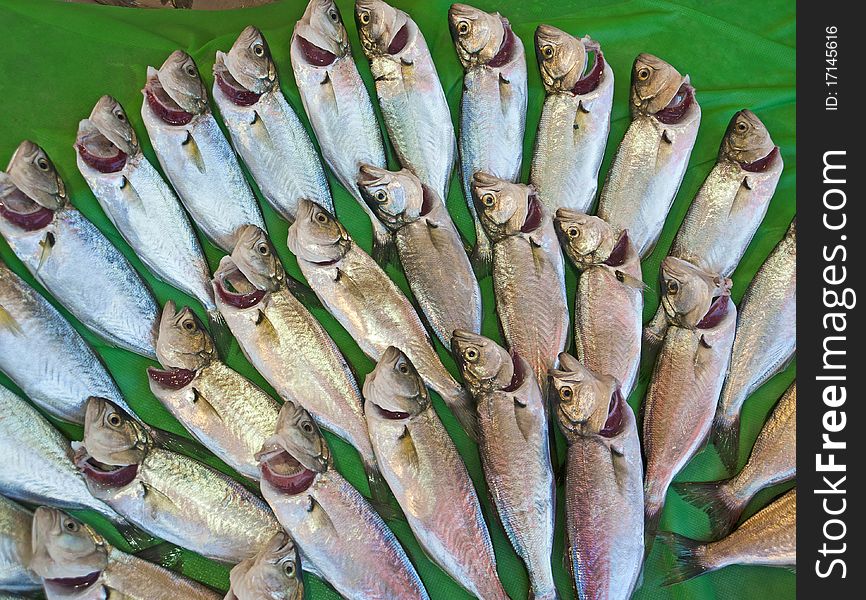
[(684, 389), (370, 306), (603, 481), (528, 271), (768, 538), (430, 248), (332, 524), (608, 305), (515, 450), (45, 356), (70, 257), (194, 153), (421, 463), (265, 130), (288, 346), (575, 119), (337, 104), (16, 523), (413, 103), (221, 408), (765, 342), (493, 105), (651, 159), (272, 574), (166, 494), (76, 562), (772, 461)]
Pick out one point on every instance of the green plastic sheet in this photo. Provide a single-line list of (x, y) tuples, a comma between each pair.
[(57, 59)]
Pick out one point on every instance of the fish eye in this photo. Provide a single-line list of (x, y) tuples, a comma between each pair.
[(566, 393), (403, 368), (307, 427), (643, 74), (462, 28), (470, 354), (672, 286), (547, 51), (321, 218), (742, 126), (381, 196), (259, 50), (573, 232), (289, 569), (263, 249), (72, 526), (364, 17), (189, 325), (488, 200), (120, 116), (114, 420), (333, 15), (42, 163)]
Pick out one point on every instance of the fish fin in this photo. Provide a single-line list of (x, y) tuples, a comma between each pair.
[(303, 292), (159, 499), (46, 244), (203, 404), (632, 282), (379, 490), (220, 332), (137, 539), (655, 331), (714, 498), (175, 443), (8, 322), (191, 148), (690, 559), (482, 254), (260, 130), (384, 249), (163, 554), (747, 183), (464, 410), (667, 136), (526, 421), (726, 439), (652, 516), (230, 596)]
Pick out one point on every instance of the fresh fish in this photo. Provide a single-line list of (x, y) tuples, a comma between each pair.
[(367, 303), (493, 107), (515, 451), (528, 271), (264, 129), (651, 160), (765, 342), (331, 522), (194, 153), (337, 103), (689, 371), (575, 120), (167, 494), (773, 461), (412, 100), (272, 574), (16, 523), (430, 248), (68, 255), (45, 356), (431, 483), (76, 562), (608, 305), (769, 538), (224, 410), (603, 482)]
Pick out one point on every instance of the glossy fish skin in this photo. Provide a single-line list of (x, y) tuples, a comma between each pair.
[(430, 248), (68, 255), (412, 100), (264, 128), (332, 524), (273, 574), (603, 482), (651, 160), (15, 525), (575, 120), (493, 106), (193, 152), (417, 456)]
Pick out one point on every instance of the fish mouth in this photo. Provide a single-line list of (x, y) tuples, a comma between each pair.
[(762, 164), (18, 209), (163, 105), (285, 472), (173, 379), (98, 152), (391, 415), (65, 585), (107, 475), (234, 288), (232, 89), (676, 109), (534, 214), (315, 55), (717, 312)]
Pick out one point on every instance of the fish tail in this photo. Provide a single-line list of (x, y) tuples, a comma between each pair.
[(384, 248), (482, 254), (691, 558), (219, 329), (379, 490), (463, 408), (726, 439), (716, 499), (137, 539), (654, 332), (550, 594), (652, 516), (163, 554)]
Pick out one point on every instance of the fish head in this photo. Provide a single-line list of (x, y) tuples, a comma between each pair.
[(505, 208), (587, 403), (250, 63), (183, 342), (320, 34), (587, 240), (746, 139), (397, 197), (316, 235), (292, 458), (561, 58), (384, 30), (181, 80), (256, 259), (273, 574), (688, 292), (477, 35), (485, 365), (395, 386), (112, 437), (654, 84), (34, 174), (65, 548), (111, 121)]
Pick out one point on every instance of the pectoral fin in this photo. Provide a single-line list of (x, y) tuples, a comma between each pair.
[(193, 153), (8, 322)]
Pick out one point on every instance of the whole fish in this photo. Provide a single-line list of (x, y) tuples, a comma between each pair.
[(68, 255), (493, 106), (272, 574), (688, 375), (608, 305), (367, 303), (224, 410), (651, 160), (772, 461), (16, 523), (331, 522), (603, 482), (768, 538), (528, 271), (337, 103), (431, 483), (575, 119), (412, 100), (45, 356), (77, 563), (515, 451), (765, 342), (194, 152), (430, 249), (287, 345), (264, 128), (167, 494)]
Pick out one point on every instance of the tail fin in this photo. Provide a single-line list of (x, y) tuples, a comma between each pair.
[(482, 254), (219, 329), (654, 332), (715, 498), (726, 438), (137, 539), (463, 408), (163, 554), (379, 491), (384, 248), (652, 516), (690, 558)]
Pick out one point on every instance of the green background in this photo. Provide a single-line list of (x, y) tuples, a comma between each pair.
[(58, 58)]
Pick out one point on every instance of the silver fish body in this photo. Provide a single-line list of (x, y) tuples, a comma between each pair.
[(16, 523)]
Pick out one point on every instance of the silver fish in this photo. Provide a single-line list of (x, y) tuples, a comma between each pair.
[(431, 483), (16, 523), (575, 119), (412, 100), (272, 574), (194, 153), (515, 451), (430, 249), (651, 160), (493, 107), (68, 255), (331, 522), (264, 128)]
